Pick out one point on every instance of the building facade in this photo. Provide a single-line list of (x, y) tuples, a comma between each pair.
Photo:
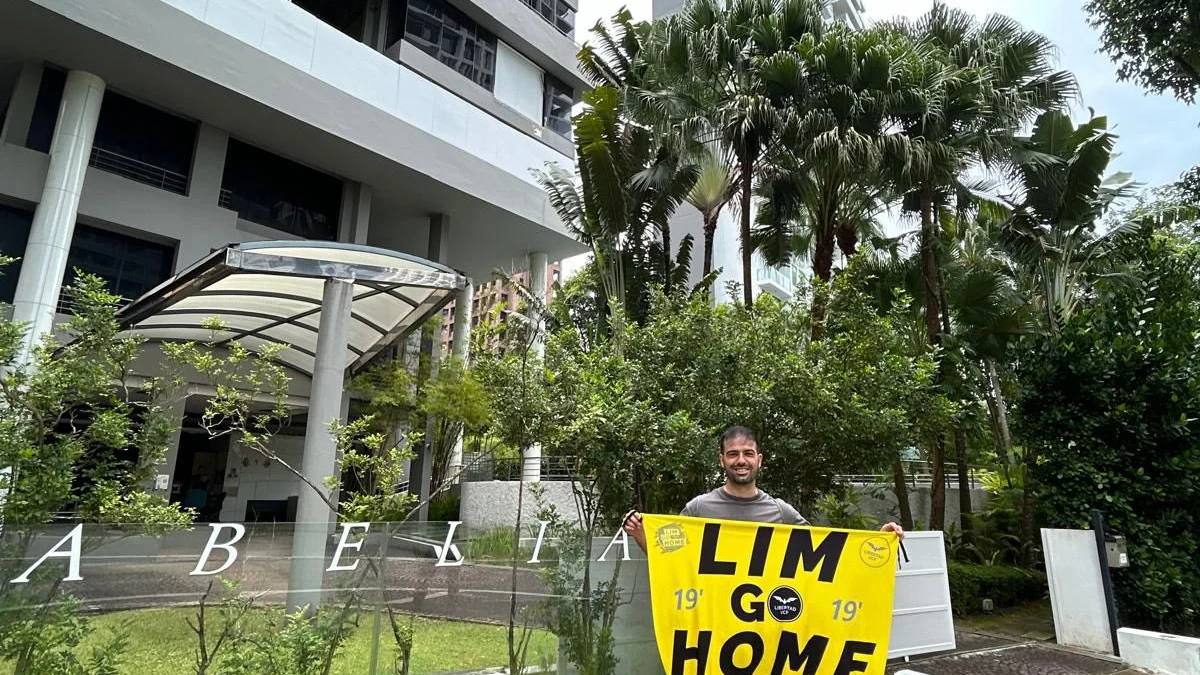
[(137, 136), (492, 294), (782, 282)]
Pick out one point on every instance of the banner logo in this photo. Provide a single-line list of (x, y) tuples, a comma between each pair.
[(744, 598), (785, 604)]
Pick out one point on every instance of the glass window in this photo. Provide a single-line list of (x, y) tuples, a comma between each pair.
[(14, 234), (556, 13), (131, 266), (45, 109), (448, 35), (143, 143), (559, 100), (267, 189)]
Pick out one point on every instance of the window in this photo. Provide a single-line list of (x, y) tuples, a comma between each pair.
[(270, 190), (129, 265), (557, 13), (557, 109), (448, 35), (348, 16), (133, 140), (144, 144)]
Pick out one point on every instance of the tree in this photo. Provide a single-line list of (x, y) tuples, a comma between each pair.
[(976, 84), (732, 72), (1155, 43), (712, 191)]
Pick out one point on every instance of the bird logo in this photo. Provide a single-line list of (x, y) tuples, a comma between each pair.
[(785, 604), (875, 552)]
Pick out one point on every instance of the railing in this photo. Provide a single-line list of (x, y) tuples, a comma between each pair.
[(137, 170), (480, 468), (916, 474)]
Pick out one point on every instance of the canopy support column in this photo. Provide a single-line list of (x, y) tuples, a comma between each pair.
[(313, 515)]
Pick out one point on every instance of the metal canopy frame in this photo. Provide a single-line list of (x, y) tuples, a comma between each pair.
[(271, 292)]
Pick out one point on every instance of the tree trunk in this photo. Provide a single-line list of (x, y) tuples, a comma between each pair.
[(1001, 413), (710, 233), (1027, 506), (747, 177), (823, 270), (666, 237), (931, 276), (964, 480), (906, 519)]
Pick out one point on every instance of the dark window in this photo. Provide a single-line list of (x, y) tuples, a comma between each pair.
[(348, 16), (145, 144), (557, 108), (14, 235), (556, 13), (269, 190), (448, 35), (129, 265), (45, 109)]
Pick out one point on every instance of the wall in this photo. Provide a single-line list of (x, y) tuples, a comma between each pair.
[(921, 501), (256, 481), (1076, 590), (490, 504), (1160, 652)]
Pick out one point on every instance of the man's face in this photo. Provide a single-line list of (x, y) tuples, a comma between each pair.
[(741, 461)]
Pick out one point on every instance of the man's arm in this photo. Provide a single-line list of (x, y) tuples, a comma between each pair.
[(633, 527)]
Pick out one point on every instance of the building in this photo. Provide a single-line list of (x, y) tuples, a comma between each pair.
[(137, 137), (781, 282), (495, 293)]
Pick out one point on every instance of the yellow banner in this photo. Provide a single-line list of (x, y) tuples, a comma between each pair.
[(743, 598)]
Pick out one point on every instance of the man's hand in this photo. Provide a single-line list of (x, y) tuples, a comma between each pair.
[(893, 527), (633, 527)]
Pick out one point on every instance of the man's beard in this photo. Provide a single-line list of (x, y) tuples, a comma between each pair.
[(733, 477)]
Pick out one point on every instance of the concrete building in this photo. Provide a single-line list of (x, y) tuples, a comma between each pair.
[(138, 137), (491, 294), (781, 282)]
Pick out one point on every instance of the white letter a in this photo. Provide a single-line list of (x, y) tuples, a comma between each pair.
[(75, 536)]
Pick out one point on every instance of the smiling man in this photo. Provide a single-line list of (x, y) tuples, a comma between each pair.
[(739, 498)]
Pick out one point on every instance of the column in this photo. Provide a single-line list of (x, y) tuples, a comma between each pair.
[(166, 468), (45, 259), (531, 469), (20, 107), (313, 516), (421, 467), (460, 347), (356, 213)]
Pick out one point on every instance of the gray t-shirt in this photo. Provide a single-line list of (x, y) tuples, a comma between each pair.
[(761, 508)]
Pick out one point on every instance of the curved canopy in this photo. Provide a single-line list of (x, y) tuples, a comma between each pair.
[(270, 292)]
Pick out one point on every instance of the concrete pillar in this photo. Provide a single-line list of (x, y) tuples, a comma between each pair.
[(176, 409), (20, 106), (208, 166), (313, 516), (356, 213), (421, 467), (45, 259), (531, 469), (460, 347)]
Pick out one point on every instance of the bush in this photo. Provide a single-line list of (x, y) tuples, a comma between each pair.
[(1005, 586)]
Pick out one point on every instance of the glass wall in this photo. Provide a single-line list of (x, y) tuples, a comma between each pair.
[(267, 189), (447, 34)]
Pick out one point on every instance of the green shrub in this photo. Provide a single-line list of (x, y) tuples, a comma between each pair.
[(1005, 586), (444, 508)]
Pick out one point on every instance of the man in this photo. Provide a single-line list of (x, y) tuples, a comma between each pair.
[(739, 498)]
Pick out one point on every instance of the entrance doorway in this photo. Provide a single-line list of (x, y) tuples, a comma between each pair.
[(199, 480)]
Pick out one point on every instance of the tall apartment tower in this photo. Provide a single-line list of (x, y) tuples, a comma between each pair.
[(138, 136), (778, 281)]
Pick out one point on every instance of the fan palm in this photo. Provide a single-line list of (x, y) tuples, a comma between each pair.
[(712, 191)]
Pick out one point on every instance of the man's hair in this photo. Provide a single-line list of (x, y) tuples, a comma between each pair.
[(736, 433)]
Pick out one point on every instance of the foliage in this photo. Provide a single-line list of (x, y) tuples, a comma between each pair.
[(74, 436), (1155, 43), (1005, 586), (840, 508), (1109, 406)]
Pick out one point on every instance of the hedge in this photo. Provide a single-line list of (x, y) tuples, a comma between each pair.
[(1006, 586)]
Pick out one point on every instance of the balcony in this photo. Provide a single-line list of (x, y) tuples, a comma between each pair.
[(557, 13), (137, 170)]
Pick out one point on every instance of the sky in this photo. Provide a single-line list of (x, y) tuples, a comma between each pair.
[(1158, 136)]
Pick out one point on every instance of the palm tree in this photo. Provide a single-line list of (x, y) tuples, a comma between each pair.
[(733, 72), (978, 85), (712, 191)]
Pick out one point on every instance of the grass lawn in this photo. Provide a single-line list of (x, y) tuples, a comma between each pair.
[(161, 643)]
